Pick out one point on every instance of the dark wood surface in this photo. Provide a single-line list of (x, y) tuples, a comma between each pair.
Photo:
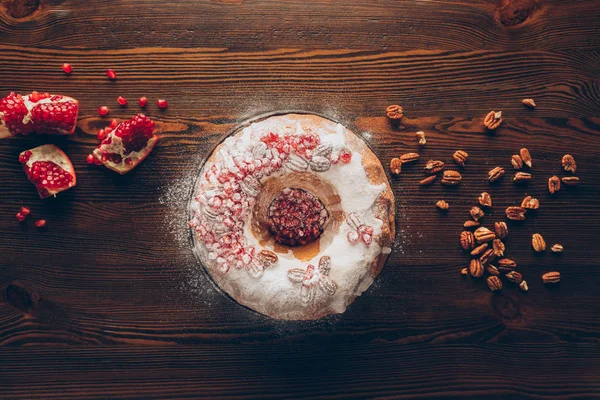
[(109, 301)]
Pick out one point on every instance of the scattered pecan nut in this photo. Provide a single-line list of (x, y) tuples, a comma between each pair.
[(451, 178), (409, 157), (434, 166), (460, 156), (485, 199), (487, 257), (498, 247), (553, 184), (495, 174), (538, 242), (475, 268), (523, 286), (516, 161), (421, 138), (501, 229), (529, 103), (493, 120), (568, 163), (522, 177), (394, 112), (479, 249), (483, 234), (570, 180), (557, 248), (505, 265), (492, 270), (551, 277), (442, 205), (526, 157), (494, 283), (471, 224), (428, 181), (514, 277), (464, 271), (395, 166), (516, 213), (467, 240), (530, 203), (476, 213)]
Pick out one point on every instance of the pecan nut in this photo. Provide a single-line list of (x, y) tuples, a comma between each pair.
[(267, 258), (395, 166), (492, 270), (538, 242), (501, 229), (568, 163), (428, 181), (434, 166), (471, 224), (442, 205), (498, 247), (493, 120), (523, 286), (483, 235), (516, 161), (320, 164), (475, 268), (525, 156), (553, 184), (551, 277), (409, 157), (570, 180), (521, 177), (505, 265), (464, 271), (516, 213), (451, 178), (530, 203), (421, 138), (495, 174), (514, 277), (460, 156), (476, 213), (487, 257), (467, 240), (485, 199), (494, 283), (557, 248), (479, 249), (529, 103), (394, 112)]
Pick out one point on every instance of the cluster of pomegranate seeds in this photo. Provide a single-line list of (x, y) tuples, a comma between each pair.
[(296, 217), (112, 75), (57, 115), (103, 110), (122, 100), (13, 111), (48, 176), (143, 102), (162, 103), (67, 68)]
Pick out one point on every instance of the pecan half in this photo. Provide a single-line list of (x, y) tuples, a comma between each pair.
[(492, 270), (551, 277), (487, 257), (428, 181), (501, 229), (493, 120), (409, 157), (529, 103), (530, 203), (570, 180), (505, 265), (522, 177), (479, 249), (395, 166), (394, 112), (516, 213), (495, 174), (460, 156), (557, 248), (471, 224), (434, 166), (464, 271), (421, 138), (538, 242), (553, 184), (516, 161), (523, 286), (514, 277), (485, 199), (475, 268), (467, 240), (442, 205), (498, 247), (494, 283), (525, 156), (451, 178), (483, 234), (568, 163), (476, 213)]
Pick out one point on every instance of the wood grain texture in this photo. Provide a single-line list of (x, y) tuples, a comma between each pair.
[(109, 301)]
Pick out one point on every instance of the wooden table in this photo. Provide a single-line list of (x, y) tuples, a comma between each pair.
[(109, 302)]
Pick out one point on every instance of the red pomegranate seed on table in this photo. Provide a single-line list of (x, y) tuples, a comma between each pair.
[(21, 217), (40, 223), (67, 68), (142, 101), (103, 110), (25, 211), (90, 159), (114, 123), (111, 74), (162, 103), (122, 100)]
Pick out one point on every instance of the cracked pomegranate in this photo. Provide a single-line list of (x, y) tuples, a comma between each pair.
[(49, 169), (127, 145), (296, 217), (37, 112)]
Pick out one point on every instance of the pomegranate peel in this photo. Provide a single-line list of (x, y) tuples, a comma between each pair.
[(37, 112), (125, 147), (49, 169)]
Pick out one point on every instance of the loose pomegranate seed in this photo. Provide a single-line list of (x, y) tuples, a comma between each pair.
[(25, 211), (40, 223), (122, 101), (162, 103), (90, 159), (21, 217), (101, 134), (103, 110), (142, 101), (111, 74), (67, 68), (114, 123)]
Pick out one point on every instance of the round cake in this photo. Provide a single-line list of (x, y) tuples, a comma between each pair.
[(293, 216)]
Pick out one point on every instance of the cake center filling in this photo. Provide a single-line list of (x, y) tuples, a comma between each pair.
[(296, 217)]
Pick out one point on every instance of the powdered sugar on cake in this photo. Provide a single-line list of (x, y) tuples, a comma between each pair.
[(272, 282)]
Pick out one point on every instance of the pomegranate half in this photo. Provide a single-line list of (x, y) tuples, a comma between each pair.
[(49, 169)]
